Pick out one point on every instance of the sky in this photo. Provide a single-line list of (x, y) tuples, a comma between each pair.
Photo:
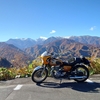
[(46, 18)]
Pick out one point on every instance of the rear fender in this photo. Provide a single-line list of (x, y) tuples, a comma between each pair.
[(81, 64)]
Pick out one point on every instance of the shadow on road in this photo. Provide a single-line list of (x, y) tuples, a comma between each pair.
[(82, 87)]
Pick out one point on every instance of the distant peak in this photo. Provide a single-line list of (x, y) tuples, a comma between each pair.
[(44, 38), (22, 39), (67, 37)]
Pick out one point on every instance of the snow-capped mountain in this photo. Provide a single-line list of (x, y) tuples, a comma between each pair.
[(25, 43)]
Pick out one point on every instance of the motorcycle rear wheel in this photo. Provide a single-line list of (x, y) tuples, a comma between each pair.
[(39, 76), (83, 70)]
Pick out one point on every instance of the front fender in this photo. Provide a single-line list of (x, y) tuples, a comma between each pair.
[(37, 68)]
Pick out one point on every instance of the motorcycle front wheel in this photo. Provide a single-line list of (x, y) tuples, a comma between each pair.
[(39, 75), (81, 71)]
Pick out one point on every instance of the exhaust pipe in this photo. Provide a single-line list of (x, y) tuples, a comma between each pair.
[(78, 77)]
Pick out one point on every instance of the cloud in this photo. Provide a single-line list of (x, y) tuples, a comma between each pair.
[(92, 28), (52, 32)]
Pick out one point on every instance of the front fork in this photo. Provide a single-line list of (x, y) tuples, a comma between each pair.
[(44, 68)]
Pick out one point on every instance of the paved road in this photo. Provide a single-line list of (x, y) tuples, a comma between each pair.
[(25, 89)]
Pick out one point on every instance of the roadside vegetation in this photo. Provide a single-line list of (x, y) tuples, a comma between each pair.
[(95, 66), (12, 73)]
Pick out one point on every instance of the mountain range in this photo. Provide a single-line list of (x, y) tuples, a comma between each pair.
[(25, 43), (92, 40), (20, 52)]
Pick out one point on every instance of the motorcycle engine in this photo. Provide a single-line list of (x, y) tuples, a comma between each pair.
[(57, 72)]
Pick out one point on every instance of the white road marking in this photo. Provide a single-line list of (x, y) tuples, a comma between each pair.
[(89, 81), (18, 87)]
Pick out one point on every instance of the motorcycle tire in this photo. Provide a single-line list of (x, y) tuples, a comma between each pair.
[(37, 77), (87, 73)]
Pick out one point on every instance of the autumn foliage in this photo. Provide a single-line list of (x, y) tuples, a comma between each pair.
[(26, 71)]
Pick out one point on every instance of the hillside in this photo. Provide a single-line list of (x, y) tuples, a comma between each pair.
[(14, 55), (63, 46), (4, 63)]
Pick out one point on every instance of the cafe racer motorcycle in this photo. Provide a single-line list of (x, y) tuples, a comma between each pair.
[(76, 69)]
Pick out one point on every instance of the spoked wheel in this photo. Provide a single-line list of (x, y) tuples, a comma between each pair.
[(82, 73), (40, 75)]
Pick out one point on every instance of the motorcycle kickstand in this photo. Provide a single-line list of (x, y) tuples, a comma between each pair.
[(60, 80)]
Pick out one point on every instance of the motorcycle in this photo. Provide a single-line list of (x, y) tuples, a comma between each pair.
[(76, 69)]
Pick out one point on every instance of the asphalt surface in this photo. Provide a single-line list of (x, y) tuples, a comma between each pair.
[(50, 89)]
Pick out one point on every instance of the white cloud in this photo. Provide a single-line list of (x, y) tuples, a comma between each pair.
[(93, 28), (52, 32)]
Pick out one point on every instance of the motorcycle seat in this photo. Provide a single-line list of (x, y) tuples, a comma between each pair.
[(67, 64)]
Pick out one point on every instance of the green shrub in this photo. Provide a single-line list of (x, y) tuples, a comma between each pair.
[(95, 66), (6, 74)]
